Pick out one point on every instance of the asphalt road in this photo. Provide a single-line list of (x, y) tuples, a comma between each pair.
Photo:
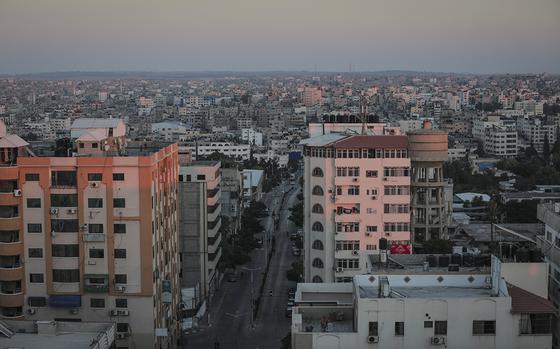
[(230, 322)]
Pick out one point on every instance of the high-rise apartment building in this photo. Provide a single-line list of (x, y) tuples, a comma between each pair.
[(356, 191), (311, 96), (199, 226), (92, 238)]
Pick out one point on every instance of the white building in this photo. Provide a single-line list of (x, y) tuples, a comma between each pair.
[(252, 185), (242, 151), (500, 141), (480, 125), (456, 153), (251, 136), (462, 309)]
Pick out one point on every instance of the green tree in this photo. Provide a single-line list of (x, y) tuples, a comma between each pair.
[(546, 150), (295, 272), (296, 214)]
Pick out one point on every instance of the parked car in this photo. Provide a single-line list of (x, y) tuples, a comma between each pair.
[(296, 251)]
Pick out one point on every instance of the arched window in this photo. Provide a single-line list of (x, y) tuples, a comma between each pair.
[(317, 172), (317, 208), (317, 226), (318, 263), (317, 190), (317, 279), (317, 245)]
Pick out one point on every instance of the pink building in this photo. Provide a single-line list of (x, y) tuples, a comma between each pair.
[(356, 191), (312, 96)]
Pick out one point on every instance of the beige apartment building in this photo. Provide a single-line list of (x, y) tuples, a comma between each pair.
[(92, 237)]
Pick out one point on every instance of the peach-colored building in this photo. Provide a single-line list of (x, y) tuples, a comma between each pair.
[(312, 96), (98, 235), (356, 191)]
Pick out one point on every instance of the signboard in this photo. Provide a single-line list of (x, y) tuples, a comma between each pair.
[(400, 249), (161, 332)]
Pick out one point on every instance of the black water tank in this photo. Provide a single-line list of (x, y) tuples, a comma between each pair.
[(444, 260), (456, 259), (432, 261), (468, 260)]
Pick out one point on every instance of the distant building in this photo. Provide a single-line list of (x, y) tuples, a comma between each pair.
[(311, 96), (252, 185)]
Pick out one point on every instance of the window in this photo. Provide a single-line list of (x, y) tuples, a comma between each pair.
[(318, 263), (399, 226), (95, 203), (371, 228), (348, 263), (396, 171), (440, 328), (119, 228), (94, 176), (373, 328), (119, 203), (35, 252), (96, 253), (122, 327), (535, 324), (33, 203), (317, 245), (317, 279), (64, 200), (317, 172), (59, 250), (120, 253), (428, 324), (484, 327), (118, 176), (200, 177), (371, 174), (66, 275), (64, 225), (63, 178), (317, 226), (36, 278), (317, 190), (120, 278), (353, 190), (347, 245), (37, 301), (396, 208), (94, 228), (31, 177), (121, 303), (94, 145), (317, 208), (97, 303), (34, 228), (399, 328), (349, 227)]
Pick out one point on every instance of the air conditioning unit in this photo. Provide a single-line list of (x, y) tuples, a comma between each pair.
[(387, 234), (374, 197), (120, 288), (368, 233), (385, 178), (17, 192), (84, 227), (72, 211), (31, 311), (90, 262), (119, 312), (74, 311), (54, 211), (122, 335), (354, 179), (339, 270), (438, 340), (373, 339), (355, 252), (94, 184)]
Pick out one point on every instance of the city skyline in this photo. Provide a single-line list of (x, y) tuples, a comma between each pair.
[(248, 36)]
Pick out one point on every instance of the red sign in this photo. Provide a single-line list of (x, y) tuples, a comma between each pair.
[(400, 249)]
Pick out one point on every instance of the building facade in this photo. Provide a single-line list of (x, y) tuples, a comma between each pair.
[(356, 191)]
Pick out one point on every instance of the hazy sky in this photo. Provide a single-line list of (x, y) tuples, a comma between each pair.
[(250, 35)]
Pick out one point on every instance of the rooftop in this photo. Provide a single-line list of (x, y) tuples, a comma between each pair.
[(95, 123)]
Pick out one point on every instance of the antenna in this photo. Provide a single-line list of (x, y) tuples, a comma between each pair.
[(363, 113)]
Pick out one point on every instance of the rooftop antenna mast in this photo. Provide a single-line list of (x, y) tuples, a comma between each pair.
[(363, 114)]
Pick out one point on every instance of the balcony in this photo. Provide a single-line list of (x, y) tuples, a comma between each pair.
[(15, 299), (15, 313), (11, 248), (11, 273)]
